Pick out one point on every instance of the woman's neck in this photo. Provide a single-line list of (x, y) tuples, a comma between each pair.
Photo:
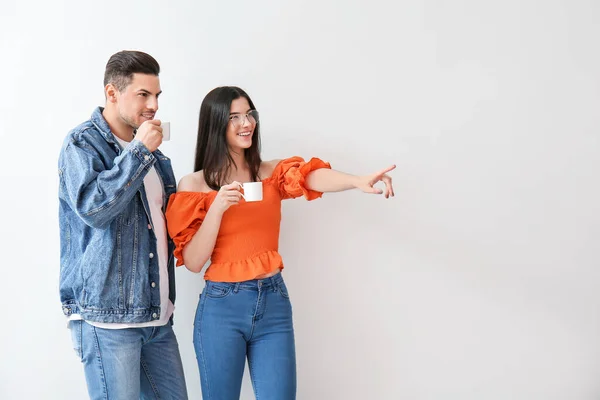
[(239, 168), (239, 159)]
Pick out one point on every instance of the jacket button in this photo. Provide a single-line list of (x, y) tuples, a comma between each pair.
[(153, 284), (154, 315), (146, 157), (151, 255)]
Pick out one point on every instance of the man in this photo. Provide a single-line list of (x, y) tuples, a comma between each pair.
[(117, 284)]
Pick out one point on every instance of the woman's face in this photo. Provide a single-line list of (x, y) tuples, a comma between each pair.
[(242, 121)]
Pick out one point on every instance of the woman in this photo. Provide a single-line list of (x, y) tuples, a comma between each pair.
[(244, 310)]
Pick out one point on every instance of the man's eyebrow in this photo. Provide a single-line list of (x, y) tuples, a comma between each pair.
[(148, 92)]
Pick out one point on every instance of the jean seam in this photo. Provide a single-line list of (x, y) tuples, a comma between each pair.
[(202, 304), (149, 376), (254, 316), (80, 340), (152, 336), (254, 382), (99, 358)]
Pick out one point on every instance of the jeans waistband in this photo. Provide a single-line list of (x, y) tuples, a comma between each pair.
[(253, 284)]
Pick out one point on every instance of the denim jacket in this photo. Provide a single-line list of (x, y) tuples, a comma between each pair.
[(108, 271)]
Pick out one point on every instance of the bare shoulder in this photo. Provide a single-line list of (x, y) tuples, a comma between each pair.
[(193, 182), (267, 168)]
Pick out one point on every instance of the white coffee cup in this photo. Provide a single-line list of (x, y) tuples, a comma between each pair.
[(166, 127), (252, 191)]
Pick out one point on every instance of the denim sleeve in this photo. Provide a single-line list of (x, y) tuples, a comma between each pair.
[(98, 195)]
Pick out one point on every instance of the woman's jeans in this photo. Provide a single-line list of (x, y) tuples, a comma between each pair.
[(247, 319)]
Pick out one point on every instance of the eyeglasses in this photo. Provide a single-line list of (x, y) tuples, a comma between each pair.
[(239, 119)]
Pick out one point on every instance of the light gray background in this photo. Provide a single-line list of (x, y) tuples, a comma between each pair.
[(478, 281)]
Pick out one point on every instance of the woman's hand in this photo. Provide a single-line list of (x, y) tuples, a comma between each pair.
[(227, 196), (366, 183)]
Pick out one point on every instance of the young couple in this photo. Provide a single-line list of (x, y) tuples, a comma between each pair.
[(123, 220)]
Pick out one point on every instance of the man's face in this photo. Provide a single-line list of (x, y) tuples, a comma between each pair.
[(138, 102)]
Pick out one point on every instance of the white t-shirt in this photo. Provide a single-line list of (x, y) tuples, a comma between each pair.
[(155, 194)]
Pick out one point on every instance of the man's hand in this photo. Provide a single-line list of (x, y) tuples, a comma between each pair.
[(150, 134)]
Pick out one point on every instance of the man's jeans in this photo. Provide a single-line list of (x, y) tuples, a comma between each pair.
[(250, 319), (127, 364)]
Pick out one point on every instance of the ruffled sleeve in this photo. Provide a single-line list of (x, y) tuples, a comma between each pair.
[(185, 213), (291, 173)]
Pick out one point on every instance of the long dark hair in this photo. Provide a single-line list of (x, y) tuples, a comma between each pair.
[(212, 152)]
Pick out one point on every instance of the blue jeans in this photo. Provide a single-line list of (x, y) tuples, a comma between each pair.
[(133, 363), (247, 319)]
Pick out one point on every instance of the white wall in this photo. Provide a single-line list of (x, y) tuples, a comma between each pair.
[(478, 281)]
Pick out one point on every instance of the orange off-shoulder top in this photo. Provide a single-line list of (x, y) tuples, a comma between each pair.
[(248, 240)]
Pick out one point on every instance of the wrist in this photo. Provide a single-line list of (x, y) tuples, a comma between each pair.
[(215, 212)]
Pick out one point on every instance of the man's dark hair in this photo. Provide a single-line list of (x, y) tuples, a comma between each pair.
[(122, 65)]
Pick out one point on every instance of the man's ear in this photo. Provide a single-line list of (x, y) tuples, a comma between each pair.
[(110, 91)]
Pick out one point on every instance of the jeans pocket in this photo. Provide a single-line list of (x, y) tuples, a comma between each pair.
[(282, 289), (216, 291), (76, 332)]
